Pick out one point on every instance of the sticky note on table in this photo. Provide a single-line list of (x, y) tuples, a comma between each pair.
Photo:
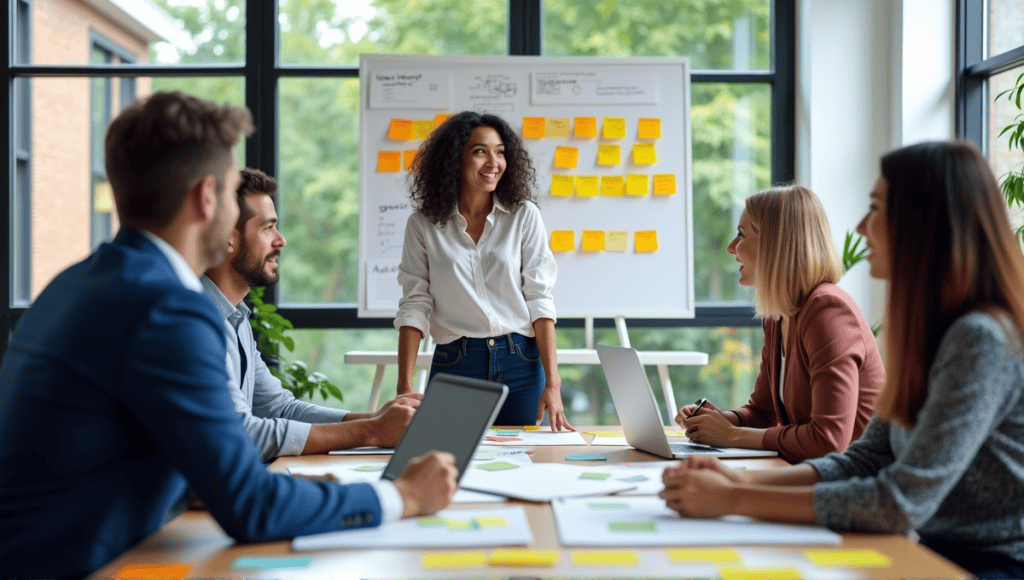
[(607, 505), (502, 439), (369, 467), (605, 557), (646, 241), (612, 185), (633, 527), (562, 185), (643, 154), (270, 562), (664, 184), (389, 161), (537, 558), (648, 128), (765, 573), (593, 241), (593, 475), (558, 128), (587, 457), (422, 129), (586, 185), (608, 154), (497, 466), (408, 157), (721, 555), (533, 127), (531, 428), (618, 241), (441, 118), (147, 571), (636, 184), (864, 558), (613, 128), (585, 127), (401, 130), (490, 522), (565, 157), (563, 241), (633, 479), (604, 433), (431, 523), (434, 560), (460, 525)]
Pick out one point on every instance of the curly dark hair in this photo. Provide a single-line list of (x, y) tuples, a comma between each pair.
[(436, 177)]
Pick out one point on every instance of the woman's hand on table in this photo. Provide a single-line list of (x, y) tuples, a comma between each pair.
[(709, 427), (551, 402), (699, 490)]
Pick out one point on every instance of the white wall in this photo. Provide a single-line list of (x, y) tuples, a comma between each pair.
[(871, 75)]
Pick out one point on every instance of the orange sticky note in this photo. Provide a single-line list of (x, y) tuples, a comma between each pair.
[(608, 154), (664, 184), (563, 241), (533, 127), (586, 185), (559, 128), (401, 130), (636, 184), (612, 185), (648, 129), (561, 185), (618, 241), (585, 127), (422, 129), (605, 557), (646, 241), (722, 555), (565, 157), (643, 153), (441, 118), (538, 558), (148, 571), (613, 128), (863, 558), (389, 161), (763, 573), (434, 560), (408, 156), (593, 241)]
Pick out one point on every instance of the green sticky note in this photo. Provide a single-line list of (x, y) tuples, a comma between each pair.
[(497, 466), (644, 527), (368, 468), (593, 475), (269, 562), (607, 505), (634, 479), (431, 523)]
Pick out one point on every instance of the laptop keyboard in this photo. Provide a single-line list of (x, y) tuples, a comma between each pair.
[(692, 448)]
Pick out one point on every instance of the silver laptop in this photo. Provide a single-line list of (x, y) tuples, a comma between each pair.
[(639, 414)]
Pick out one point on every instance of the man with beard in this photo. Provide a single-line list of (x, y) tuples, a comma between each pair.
[(280, 424), (113, 383)]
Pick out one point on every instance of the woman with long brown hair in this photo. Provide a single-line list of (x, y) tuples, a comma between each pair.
[(944, 454)]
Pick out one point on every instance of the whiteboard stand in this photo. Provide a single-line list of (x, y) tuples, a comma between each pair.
[(428, 345), (620, 328), (378, 376)]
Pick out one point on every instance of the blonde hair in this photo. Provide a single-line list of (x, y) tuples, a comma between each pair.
[(795, 248)]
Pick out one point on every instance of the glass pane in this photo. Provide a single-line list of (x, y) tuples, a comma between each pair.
[(1002, 113), (335, 32), (159, 31), (64, 203), (731, 135), (1005, 26), (714, 34)]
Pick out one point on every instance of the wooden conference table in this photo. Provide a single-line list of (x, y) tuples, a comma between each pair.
[(195, 539)]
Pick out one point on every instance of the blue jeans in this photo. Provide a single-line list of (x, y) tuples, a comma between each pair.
[(512, 359)]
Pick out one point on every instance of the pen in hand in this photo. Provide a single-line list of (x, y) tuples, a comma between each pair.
[(700, 404)]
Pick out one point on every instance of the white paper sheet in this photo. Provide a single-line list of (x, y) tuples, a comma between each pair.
[(590, 522), (540, 437), (543, 481), (411, 533), (382, 289), (347, 473), (410, 89)]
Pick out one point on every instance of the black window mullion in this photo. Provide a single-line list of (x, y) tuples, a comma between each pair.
[(525, 27), (7, 53), (783, 131), (970, 89)]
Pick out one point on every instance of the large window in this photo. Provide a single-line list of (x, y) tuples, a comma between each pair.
[(295, 64)]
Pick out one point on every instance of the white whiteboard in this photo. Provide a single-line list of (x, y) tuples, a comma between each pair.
[(634, 284)]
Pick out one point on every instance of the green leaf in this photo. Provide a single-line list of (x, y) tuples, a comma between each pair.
[(333, 390)]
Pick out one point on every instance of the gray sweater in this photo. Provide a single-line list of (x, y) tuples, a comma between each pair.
[(959, 474)]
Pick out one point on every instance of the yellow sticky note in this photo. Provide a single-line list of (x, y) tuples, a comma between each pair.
[(664, 184), (422, 129), (531, 428), (584, 127), (559, 128), (603, 433), (643, 153), (561, 185), (865, 558), (636, 184), (612, 185), (618, 241), (533, 127), (605, 558), (765, 573), (608, 154), (401, 130), (389, 161), (723, 555), (408, 157), (563, 241), (537, 558), (565, 157), (491, 522), (433, 560), (593, 241), (646, 241), (648, 129), (441, 118), (459, 524), (613, 128), (586, 185), (141, 571)]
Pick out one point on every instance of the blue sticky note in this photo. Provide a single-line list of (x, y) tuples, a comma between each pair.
[(269, 562), (586, 457)]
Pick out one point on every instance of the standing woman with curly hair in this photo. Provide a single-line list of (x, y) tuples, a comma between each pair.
[(477, 272)]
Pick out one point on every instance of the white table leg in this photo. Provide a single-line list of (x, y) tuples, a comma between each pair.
[(670, 397), (378, 378)]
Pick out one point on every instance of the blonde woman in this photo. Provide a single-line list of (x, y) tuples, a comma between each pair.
[(820, 367)]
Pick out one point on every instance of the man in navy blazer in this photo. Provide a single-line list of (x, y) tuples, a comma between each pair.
[(112, 388)]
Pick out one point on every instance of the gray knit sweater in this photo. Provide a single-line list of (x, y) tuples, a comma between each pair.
[(959, 474)]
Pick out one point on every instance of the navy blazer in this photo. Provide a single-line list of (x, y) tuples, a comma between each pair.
[(112, 399)]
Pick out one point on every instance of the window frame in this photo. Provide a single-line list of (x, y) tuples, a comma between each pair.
[(263, 71)]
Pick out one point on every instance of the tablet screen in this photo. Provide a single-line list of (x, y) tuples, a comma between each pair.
[(453, 416)]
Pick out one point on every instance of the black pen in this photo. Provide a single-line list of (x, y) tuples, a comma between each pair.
[(699, 404)]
